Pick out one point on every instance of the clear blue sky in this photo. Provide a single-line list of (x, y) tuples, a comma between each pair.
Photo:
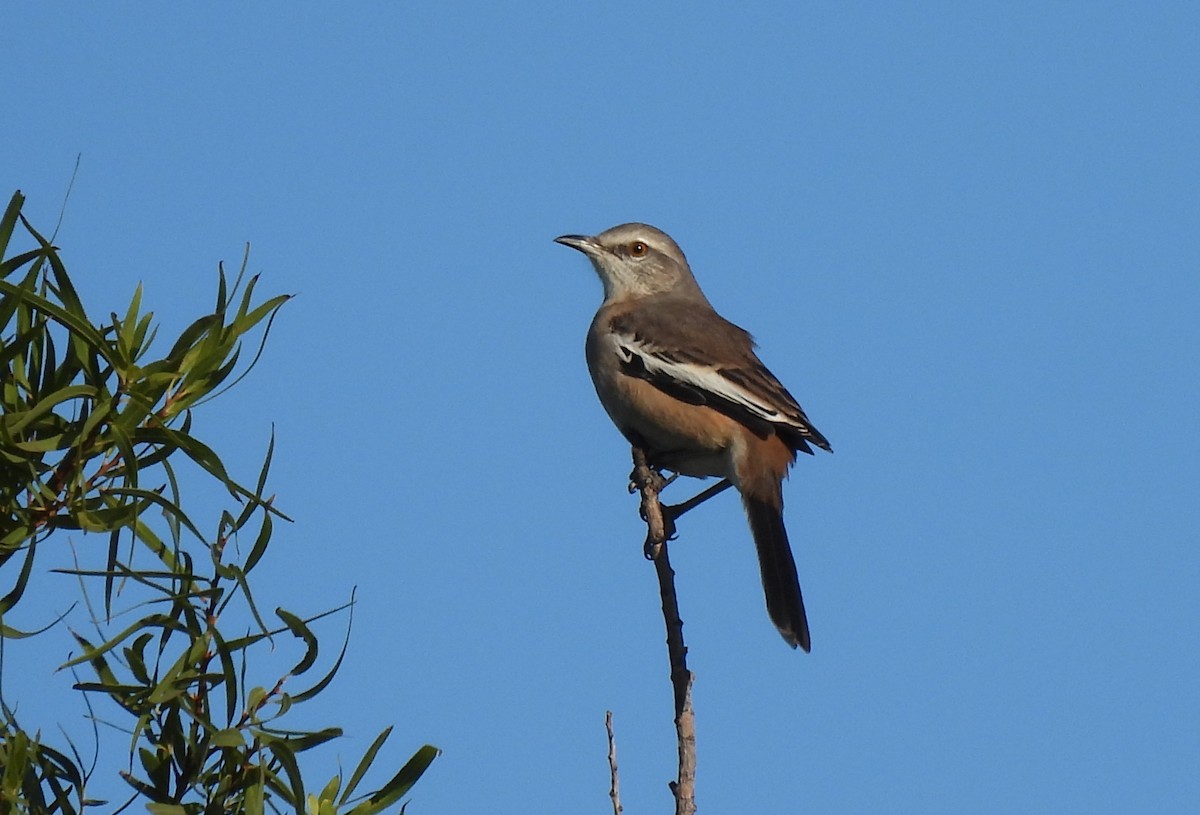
[(966, 236)]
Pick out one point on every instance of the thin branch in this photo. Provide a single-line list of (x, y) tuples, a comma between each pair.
[(614, 789), (650, 482)]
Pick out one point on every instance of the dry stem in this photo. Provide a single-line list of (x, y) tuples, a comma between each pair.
[(649, 482), (614, 789)]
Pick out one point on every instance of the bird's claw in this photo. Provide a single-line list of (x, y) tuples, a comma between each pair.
[(650, 549), (657, 481)]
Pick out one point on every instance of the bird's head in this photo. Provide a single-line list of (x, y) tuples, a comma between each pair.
[(636, 260)]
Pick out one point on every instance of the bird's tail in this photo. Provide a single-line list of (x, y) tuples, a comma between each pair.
[(780, 581)]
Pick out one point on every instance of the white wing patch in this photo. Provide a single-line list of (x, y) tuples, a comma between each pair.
[(704, 378)]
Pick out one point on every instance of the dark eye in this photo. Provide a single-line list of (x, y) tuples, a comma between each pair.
[(638, 249)]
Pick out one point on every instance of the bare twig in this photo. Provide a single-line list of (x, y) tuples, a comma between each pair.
[(614, 789), (650, 482)]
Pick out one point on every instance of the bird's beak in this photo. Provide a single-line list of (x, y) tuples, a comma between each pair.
[(584, 243)]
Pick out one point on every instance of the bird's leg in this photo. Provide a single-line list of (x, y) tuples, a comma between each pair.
[(649, 480), (657, 483), (673, 511), (670, 513)]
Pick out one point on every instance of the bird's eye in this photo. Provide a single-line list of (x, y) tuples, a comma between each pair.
[(638, 249)]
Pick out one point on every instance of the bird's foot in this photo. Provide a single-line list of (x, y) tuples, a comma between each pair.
[(671, 512), (651, 547), (657, 481)]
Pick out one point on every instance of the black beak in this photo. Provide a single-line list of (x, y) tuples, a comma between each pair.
[(584, 243)]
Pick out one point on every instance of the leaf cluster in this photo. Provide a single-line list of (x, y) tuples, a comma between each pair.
[(93, 427)]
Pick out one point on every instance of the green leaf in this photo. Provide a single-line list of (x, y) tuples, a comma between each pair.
[(74, 323), (255, 698), (114, 540), (17, 422), (365, 764), (400, 784), (168, 508), (10, 633), (136, 660), (254, 797), (9, 600), (303, 632), (260, 543), (12, 264), (195, 449), (127, 335), (325, 680), (300, 742), (282, 753), (8, 221), (160, 621), (229, 737), (330, 790), (189, 338), (167, 809), (228, 673), (65, 289)]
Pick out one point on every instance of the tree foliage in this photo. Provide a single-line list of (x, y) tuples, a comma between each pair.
[(94, 428)]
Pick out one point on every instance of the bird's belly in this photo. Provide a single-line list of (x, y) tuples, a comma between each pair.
[(689, 439)]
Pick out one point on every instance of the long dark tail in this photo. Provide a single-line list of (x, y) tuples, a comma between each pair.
[(780, 581)]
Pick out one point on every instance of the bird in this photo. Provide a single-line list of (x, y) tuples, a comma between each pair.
[(686, 386)]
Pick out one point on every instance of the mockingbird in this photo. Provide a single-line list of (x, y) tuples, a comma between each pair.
[(684, 384)]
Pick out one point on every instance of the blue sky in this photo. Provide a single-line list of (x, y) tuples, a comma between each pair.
[(965, 236)]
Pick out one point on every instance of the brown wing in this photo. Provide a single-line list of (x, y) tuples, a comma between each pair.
[(692, 353)]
